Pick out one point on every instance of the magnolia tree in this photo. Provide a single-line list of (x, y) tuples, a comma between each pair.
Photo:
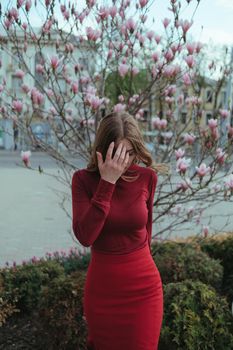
[(84, 62)]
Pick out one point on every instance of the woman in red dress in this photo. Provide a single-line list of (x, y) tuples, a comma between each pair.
[(112, 202)]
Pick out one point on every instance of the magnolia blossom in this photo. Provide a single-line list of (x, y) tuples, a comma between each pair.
[(130, 25), (229, 182), (184, 185), (185, 25), (182, 165), (213, 123), (190, 61), (189, 138), (202, 170), (143, 3), (119, 108), (55, 62), (205, 231), (221, 156), (158, 123), (18, 106), (186, 79), (191, 47), (166, 22), (169, 55), (179, 153), (123, 69), (74, 87), (224, 113), (176, 209), (19, 74), (26, 157)]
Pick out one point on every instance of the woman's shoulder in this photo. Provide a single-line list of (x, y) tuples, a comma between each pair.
[(147, 171)]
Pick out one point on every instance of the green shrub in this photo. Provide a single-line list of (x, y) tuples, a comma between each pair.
[(75, 261), (195, 317), (24, 282), (7, 307), (222, 250), (177, 262), (61, 313)]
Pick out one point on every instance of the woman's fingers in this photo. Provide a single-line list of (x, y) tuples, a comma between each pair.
[(109, 151)]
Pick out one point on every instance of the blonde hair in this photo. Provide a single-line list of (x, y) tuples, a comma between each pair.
[(117, 126)]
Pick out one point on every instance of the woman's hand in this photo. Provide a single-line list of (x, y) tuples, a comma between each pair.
[(113, 168)]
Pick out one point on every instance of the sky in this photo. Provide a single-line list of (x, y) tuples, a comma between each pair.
[(213, 20)]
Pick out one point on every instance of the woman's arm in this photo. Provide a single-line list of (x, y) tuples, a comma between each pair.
[(150, 202), (89, 214)]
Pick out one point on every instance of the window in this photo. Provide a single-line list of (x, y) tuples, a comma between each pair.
[(183, 118), (209, 96), (208, 117), (145, 115), (16, 85), (223, 98)]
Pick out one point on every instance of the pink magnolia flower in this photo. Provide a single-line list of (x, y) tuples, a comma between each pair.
[(157, 38), (36, 96), (182, 165), (212, 123), (229, 182), (40, 68), (179, 153), (191, 47), (93, 34), (221, 156), (113, 11), (20, 3), (135, 71), (28, 5), (190, 61), (205, 231), (74, 87), (198, 47), (170, 90), (25, 88), (189, 138), (26, 157), (186, 79), (18, 106), (143, 3), (14, 13), (184, 185), (166, 22), (119, 107), (224, 113), (150, 35), (202, 170), (159, 123), (54, 62), (185, 25), (155, 56), (123, 69), (169, 55), (19, 73), (130, 25)]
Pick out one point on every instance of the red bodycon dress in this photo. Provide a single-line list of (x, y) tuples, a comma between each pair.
[(123, 299)]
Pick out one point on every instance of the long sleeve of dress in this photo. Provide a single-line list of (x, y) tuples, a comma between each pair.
[(89, 214), (150, 203)]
